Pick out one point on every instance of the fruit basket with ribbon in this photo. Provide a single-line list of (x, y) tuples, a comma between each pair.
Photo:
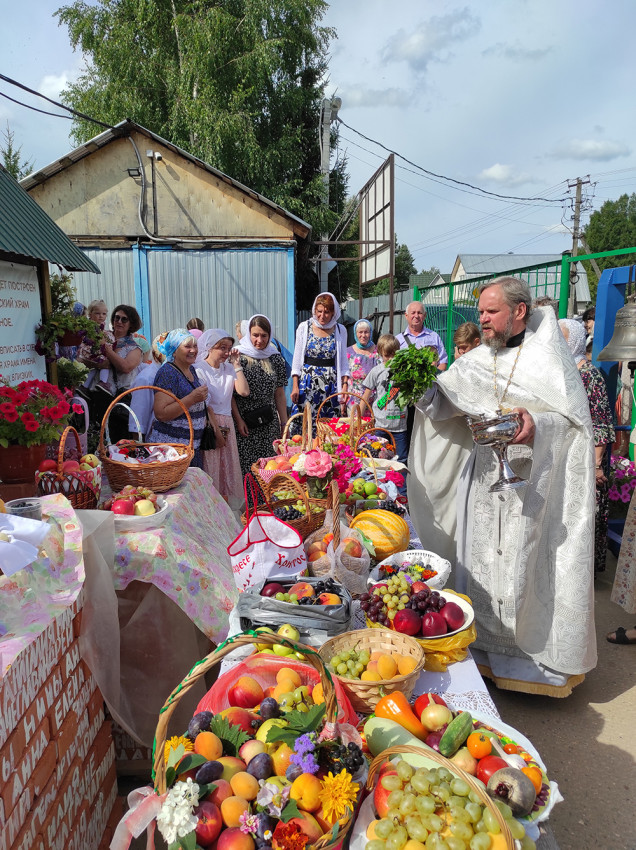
[(284, 771), (295, 507), (81, 483), (288, 446), (345, 428)]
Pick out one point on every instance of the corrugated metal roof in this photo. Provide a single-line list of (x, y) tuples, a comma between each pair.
[(125, 128), (480, 265), (27, 231)]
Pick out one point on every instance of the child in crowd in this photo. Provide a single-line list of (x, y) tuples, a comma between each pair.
[(100, 376), (386, 411), (465, 338)]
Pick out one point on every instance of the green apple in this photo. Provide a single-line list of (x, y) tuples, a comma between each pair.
[(281, 649), (263, 729), (288, 631), (370, 488), (263, 647)]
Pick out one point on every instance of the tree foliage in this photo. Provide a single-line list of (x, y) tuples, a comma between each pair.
[(12, 156), (610, 228)]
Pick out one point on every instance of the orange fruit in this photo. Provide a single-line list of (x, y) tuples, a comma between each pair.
[(534, 775), (208, 745)]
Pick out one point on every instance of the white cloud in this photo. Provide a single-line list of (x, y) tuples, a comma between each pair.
[(391, 97), (505, 175), (431, 40), (52, 85), (516, 52), (596, 149)]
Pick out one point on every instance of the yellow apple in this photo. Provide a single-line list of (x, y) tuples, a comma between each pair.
[(144, 507)]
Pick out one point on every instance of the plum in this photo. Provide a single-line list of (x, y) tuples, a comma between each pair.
[(199, 723), (261, 766), (269, 708), (209, 772), (264, 823), (293, 772)]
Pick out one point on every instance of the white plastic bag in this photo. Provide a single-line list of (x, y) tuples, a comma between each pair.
[(349, 570)]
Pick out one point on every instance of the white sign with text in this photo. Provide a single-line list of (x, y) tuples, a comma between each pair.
[(20, 312)]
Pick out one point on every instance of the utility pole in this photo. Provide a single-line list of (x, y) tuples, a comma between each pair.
[(576, 235), (328, 114)]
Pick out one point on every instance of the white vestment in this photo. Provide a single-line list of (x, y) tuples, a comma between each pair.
[(524, 556)]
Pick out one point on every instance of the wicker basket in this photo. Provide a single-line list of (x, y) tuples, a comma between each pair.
[(364, 696), (355, 422), (81, 493), (304, 525), (285, 448), (361, 451), (158, 476), (472, 783), (330, 840)]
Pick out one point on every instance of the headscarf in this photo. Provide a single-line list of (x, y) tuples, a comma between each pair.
[(208, 340), (172, 342), (576, 337), (366, 322), (155, 346), (246, 347), (336, 312), (245, 327), (195, 332)]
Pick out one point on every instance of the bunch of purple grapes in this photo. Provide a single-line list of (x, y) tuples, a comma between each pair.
[(374, 608), (425, 601)]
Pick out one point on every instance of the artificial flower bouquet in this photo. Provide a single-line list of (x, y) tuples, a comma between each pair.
[(275, 770), (33, 413)]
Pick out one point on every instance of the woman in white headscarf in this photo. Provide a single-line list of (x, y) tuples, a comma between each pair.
[(320, 367), (261, 415), (602, 424), (218, 368)]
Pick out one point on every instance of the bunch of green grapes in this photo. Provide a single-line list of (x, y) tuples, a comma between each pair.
[(395, 595), (350, 663), (297, 700), (287, 597), (439, 810)]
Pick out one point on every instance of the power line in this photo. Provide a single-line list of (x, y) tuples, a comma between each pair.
[(34, 108)]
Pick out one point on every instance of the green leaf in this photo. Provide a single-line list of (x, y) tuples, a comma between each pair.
[(190, 761), (367, 543), (290, 811), (298, 723), (171, 775), (175, 755), (232, 737), (204, 790)]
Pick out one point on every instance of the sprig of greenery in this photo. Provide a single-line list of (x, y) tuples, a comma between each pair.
[(232, 737), (412, 370), (298, 723)]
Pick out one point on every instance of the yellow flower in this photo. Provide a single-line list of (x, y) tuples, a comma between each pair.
[(174, 743), (338, 794)]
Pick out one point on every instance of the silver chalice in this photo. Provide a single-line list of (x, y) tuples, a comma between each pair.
[(497, 432)]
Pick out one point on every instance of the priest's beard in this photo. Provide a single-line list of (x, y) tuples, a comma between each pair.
[(500, 338)]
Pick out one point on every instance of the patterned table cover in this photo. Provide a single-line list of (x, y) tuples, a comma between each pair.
[(186, 558)]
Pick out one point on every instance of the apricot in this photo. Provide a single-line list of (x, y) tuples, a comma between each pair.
[(305, 790), (232, 808), (317, 694), (316, 556), (372, 667), (375, 655), (245, 693), (406, 664), (283, 687), (387, 668), (207, 744), (234, 839), (288, 673), (221, 792), (370, 676), (244, 785), (302, 588)]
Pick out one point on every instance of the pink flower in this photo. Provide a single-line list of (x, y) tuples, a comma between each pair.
[(317, 463), (613, 494)]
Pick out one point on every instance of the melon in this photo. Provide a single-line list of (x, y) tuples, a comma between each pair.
[(388, 532)]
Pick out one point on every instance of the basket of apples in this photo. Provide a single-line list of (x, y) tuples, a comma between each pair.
[(79, 480), (137, 509)]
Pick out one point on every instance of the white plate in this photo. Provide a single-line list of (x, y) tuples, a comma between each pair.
[(123, 522), (412, 556), (467, 608), (382, 463)]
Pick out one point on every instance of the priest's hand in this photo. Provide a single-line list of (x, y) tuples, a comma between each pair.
[(525, 434)]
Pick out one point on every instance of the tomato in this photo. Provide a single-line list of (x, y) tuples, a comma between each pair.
[(478, 745), (535, 776), (511, 748), (489, 765)]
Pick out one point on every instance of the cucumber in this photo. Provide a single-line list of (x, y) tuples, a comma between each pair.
[(456, 733), (381, 734)]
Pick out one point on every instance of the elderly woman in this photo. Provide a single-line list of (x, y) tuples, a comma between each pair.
[(218, 369), (260, 416), (320, 367), (600, 410), (362, 356), (179, 377)]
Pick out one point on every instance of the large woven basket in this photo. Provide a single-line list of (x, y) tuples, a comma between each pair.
[(359, 446), (472, 783), (82, 490), (355, 421), (330, 840), (286, 448), (364, 696), (158, 476), (304, 525)]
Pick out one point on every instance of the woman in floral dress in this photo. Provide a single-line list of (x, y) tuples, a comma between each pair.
[(319, 367), (362, 356), (602, 425)]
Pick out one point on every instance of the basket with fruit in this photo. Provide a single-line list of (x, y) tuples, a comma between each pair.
[(371, 443), (293, 444), (79, 480), (298, 510), (372, 662), (345, 428), (267, 771)]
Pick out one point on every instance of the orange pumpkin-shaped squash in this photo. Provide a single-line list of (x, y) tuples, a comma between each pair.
[(388, 532)]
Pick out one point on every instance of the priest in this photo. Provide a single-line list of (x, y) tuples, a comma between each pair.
[(523, 556)]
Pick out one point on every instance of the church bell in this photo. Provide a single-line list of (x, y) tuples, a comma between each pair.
[(622, 345)]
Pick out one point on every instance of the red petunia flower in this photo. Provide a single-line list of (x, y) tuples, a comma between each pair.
[(7, 407), (77, 408), (11, 415), (31, 425)]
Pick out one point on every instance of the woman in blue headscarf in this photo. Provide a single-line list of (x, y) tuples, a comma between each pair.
[(362, 356), (178, 376)]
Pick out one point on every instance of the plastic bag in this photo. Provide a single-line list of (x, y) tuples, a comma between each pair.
[(440, 652), (351, 571), (264, 667)]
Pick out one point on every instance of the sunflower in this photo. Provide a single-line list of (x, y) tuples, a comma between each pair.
[(338, 795), (181, 744)]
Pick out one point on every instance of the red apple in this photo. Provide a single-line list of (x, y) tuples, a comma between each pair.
[(123, 506), (210, 823), (70, 466), (272, 588), (418, 585), (381, 795), (47, 466), (433, 625), (407, 621), (453, 615)]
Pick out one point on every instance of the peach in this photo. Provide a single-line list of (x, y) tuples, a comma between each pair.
[(326, 824), (245, 693), (281, 759), (244, 785), (250, 749), (381, 795), (372, 666), (221, 792), (231, 765), (302, 588), (231, 810), (309, 825), (316, 555), (306, 792), (387, 667), (329, 599), (352, 547), (375, 655), (234, 839), (210, 823), (288, 673), (207, 744), (327, 538), (242, 718)]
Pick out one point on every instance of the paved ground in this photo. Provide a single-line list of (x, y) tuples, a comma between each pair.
[(588, 740)]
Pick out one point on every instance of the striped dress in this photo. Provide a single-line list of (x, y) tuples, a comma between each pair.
[(169, 377)]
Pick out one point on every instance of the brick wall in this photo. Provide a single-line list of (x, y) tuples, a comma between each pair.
[(58, 782)]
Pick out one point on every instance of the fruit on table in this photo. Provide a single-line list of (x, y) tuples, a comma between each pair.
[(489, 765), (388, 532), (231, 766), (209, 823), (301, 589), (272, 588), (479, 745), (352, 547), (407, 622), (242, 718), (316, 550), (244, 785), (261, 766), (89, 459), (123, 506), (453, 615), (433, 625), (306, 792), (246, 692), (144, 507), (435, 717), (47, 466), (208, 745), (234, 839)]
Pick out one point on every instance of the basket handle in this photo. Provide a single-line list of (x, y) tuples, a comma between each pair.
[(289, 480), (349, 394), (334, 504), (312, 658), (62, 447), (250, 481), (118, 400), (373, 431), (379, 760)]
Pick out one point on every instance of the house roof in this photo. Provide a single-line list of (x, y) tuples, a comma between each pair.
[(27, 231), (124, 129), (482, 265)]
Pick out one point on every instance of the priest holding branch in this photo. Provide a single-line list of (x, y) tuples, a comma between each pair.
[(524, 556)]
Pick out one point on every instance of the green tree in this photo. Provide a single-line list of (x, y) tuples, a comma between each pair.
[(404, 268), (11, 156), (611, 227)]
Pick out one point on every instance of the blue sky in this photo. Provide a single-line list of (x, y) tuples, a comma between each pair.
[(515, 96)]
